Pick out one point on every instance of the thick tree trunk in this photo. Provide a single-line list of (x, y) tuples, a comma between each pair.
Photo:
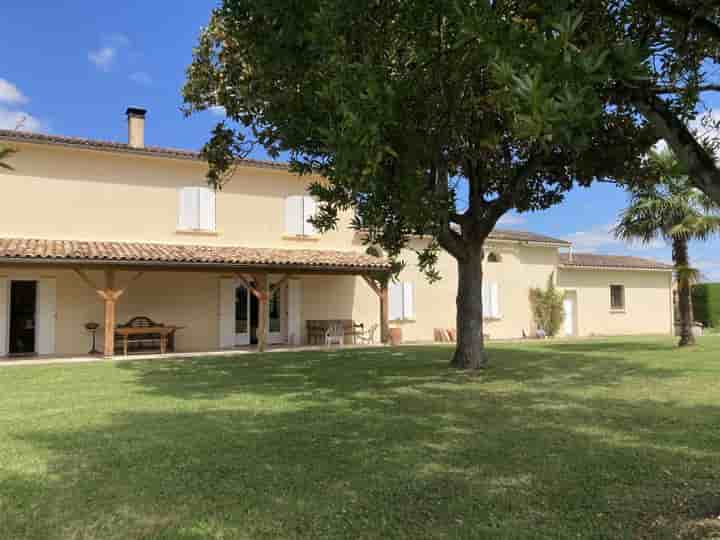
[(681, 257), (470, 352)]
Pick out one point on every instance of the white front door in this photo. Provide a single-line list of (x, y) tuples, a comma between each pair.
[(569, 305), (242, 315)]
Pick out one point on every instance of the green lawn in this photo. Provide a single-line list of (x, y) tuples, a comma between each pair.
[(597, 439)]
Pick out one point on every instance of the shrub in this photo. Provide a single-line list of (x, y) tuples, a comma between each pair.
[(706, 303), (547, 307)]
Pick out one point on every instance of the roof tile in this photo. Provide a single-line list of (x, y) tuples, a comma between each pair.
[(592, 260)]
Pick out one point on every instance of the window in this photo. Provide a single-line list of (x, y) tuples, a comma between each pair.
[(617, 297), (402, 301), (196, 209), (298, 210), (491, 300), (494, 258)]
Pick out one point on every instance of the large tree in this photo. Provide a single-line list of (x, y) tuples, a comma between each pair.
[(678, 212), (425, 117), (678, 42)]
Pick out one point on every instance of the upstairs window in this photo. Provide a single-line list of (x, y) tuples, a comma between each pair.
[(196, 209), (617, 297), (494, 257), (298, 211), (402, 301)]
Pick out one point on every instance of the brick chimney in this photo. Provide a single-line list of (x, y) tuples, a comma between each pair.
[(136, 127)]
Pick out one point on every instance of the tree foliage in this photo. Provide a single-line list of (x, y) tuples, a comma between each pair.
[(547, 307), (430, 117), (678, 212)]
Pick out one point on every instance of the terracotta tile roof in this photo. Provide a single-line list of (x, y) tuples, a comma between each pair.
[(592, 260), (131, 253), (525, 236), (94, 144)]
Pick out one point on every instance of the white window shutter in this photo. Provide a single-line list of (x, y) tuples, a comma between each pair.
[(408, 301), (309, 209), (294, 215), (395, 294), (495, 300), (188, 211), (206, 219), (46, 308), (4, 322)]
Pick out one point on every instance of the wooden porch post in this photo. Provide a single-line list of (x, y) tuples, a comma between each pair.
[(380, 288), (384, 315), (110, 296), (261, 283)]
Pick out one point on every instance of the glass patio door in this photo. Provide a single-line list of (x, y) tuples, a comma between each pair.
[(242, 316)]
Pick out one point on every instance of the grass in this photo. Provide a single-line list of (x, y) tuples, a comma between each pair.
[(599, 439)]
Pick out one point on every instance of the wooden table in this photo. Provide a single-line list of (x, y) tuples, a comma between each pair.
[(164, 333)]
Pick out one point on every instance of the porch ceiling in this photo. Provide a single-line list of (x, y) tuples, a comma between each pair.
[(177, 256)]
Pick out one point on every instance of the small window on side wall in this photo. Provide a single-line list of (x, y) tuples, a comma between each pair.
[(494, 257), (617, 297), (196, 209)]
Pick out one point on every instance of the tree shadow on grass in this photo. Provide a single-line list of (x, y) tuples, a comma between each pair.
[(340, 374), (338, 448)]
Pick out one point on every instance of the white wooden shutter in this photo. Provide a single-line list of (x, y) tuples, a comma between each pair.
[(227, 312), (188, 209), (395, 294), (495, 300), (408, 301), (294, 311), (46, 309), (309, 208), (206, 197), (4, 320), (294, 215)]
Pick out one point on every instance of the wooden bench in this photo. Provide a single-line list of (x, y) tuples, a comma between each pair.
[(316, 330), (141, 333)]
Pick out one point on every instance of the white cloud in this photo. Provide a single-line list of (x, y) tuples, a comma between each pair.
[(141, 77), (19, 120), (601, 237), (103, 57), (218, 110), (9, 93), (508, 220), (709, 269)]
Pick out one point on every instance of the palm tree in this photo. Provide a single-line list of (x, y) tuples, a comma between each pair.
[(5, 152), (671, 209)]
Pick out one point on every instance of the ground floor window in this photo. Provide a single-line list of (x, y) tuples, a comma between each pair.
[(617, 297)]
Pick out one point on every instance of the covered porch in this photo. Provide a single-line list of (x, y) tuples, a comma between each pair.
[(205, 299)]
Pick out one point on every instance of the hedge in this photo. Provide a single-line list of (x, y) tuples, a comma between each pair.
[(706, 303)]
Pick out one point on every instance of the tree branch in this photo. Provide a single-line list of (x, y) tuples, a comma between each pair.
[(680, 89), (687, 16)]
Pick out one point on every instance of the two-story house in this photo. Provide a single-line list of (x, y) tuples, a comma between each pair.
[(99, 232)]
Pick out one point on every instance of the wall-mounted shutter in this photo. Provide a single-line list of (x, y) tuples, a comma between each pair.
[(206, 207), (4, 322), (187, 209), (495, 300), (226, 313), (395, 293), (294, 215), (46, 310), (408, 301), (309, 208)]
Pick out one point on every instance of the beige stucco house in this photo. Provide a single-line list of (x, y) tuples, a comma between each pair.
[(93, 231)]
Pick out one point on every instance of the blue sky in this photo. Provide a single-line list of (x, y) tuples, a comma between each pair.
[(72, 68)]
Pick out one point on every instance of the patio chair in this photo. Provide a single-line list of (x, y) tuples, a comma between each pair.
[(368, 336), (335, 334)]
